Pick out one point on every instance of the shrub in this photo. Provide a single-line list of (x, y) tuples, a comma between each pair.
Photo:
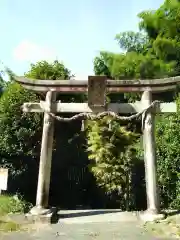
[(168, 158), (19, 132), (112, 153), (13, 204), (20, 137)]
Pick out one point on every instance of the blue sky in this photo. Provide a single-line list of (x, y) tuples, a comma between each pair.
[(70, 31)]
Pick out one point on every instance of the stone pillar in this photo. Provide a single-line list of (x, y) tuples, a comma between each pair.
[(45, 159), (148, 126)]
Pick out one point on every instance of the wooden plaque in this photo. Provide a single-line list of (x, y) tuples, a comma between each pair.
[(97, 91)]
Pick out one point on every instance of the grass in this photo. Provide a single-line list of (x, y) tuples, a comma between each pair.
[(9, 226), (11, 204), (168, 228)]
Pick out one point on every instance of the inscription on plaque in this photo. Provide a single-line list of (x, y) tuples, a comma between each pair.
[(97, 91)]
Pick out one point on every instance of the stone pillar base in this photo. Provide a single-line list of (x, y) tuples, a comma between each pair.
[(42, 215), (151, 216)]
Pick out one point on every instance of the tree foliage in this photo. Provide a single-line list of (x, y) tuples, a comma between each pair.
[(19, 133), (1, 84), (162, 27), (155, 47), (111, 149), (153, 52), (132, 41), (168, 158), (51, 71)]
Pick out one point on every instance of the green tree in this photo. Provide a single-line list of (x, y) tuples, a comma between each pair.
[(51, 71), (15, 126), (168, 158), (2, 81), (132, 41), (153, 52), (102, 64), (20, 136), (17, 131), (133, 65), (56, 70), (1, 84), (20, 133), (111, 148), (162, 27)]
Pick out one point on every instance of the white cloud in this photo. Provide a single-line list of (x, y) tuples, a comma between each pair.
[(32, 52)]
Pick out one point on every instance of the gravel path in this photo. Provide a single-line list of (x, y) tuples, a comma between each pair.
[(89, 231), (87, 225)]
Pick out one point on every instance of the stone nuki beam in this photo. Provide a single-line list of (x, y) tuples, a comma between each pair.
[(112, 86), (83, 107)]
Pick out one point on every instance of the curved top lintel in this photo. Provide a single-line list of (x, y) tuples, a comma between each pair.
[(76, 86)]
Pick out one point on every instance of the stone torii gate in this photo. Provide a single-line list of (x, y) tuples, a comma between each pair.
[(97, 87)]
